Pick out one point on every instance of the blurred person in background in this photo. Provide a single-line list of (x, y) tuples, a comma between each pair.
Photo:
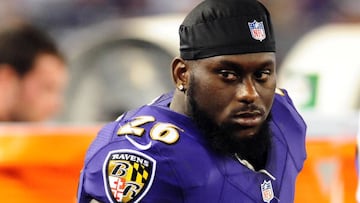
[(33, 74)]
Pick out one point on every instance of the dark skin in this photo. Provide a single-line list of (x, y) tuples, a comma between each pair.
[(235, 90)]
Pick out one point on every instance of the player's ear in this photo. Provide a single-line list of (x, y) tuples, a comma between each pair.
[(180, 72)]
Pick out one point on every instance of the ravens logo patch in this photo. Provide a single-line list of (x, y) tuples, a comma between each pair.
[(128, 175)]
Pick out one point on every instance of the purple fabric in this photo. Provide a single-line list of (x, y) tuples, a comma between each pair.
[(188, 171)]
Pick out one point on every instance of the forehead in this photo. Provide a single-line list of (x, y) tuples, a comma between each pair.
[(241, 60), (47, 64), (47, 69)]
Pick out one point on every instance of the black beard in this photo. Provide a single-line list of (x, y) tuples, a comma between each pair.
[(222, 139)]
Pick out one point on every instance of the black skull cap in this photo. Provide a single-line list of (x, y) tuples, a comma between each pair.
[(226, 27)]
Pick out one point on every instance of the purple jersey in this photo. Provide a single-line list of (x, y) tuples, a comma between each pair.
[(153, 154)]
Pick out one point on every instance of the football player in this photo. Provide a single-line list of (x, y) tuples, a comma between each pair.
[(225, 134)]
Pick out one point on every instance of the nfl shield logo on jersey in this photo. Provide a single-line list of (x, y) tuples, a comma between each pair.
[(267, 191), (128, 175), (257, 30)]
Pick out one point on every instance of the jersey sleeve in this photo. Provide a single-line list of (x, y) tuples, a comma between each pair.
[(126, 168), (101, 140), (290, 125)]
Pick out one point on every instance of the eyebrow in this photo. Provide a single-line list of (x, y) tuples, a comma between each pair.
[(233, 65)]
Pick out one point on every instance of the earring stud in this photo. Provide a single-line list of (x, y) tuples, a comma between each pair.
[(181, 88)]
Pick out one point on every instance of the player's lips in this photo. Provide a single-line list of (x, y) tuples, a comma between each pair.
[(248, 118)]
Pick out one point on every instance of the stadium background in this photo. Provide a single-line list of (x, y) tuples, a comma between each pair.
[(116, 49)]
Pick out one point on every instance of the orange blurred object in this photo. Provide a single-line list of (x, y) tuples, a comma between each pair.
[(329, 174), (41, 164)]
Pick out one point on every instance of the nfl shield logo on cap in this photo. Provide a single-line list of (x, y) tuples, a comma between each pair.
[(267, 191), (257, 30)]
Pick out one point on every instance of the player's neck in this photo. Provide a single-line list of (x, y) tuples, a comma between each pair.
[(178, 102)]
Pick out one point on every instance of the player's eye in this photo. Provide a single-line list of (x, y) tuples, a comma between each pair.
[(228, 75), (262, 75)]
